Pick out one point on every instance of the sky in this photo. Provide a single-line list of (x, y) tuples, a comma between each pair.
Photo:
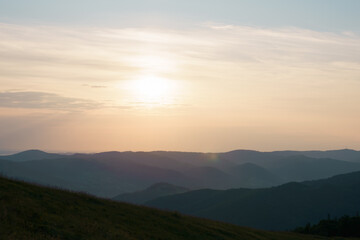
[(210, 76)]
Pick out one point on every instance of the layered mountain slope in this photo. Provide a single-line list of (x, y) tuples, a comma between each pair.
[(101, 178), (250, 175), (342, 154), (112, 173), (32, 155), (277, 208), (302, 168), (31, 212)]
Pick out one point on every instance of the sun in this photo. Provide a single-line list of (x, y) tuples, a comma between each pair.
[(152, 90)]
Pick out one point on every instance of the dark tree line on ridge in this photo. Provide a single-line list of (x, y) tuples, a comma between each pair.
[(345, 226)]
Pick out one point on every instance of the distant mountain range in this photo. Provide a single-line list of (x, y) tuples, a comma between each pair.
[(278, 208), (31, 155), (246, 155), (109, 174)]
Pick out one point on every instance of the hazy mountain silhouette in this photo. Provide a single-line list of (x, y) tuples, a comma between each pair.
[(250, 175), (277, 208), (343, 154), (290, 166), (68, 173), (302, 168), (102, 178), (143, 158), (209, 177), (150, 193), (32, 155), (198, 159), (244, 156), (109, 174)]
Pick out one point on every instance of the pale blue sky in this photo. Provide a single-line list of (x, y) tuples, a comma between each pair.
[(321, 15)]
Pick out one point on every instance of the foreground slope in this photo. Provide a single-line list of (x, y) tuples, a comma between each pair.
[(33, 212), (277, 208)]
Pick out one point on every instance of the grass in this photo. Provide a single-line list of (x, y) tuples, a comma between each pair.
[(34, 212)]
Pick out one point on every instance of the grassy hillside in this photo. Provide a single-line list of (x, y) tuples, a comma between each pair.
[(33, 212)]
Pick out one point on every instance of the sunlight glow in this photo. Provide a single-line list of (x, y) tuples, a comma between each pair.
[(153, 90)]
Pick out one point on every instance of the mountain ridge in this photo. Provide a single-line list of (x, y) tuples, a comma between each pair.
[(35, 212), (109, 174), (283, 207)]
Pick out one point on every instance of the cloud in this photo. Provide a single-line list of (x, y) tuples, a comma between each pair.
[(94, 86), (210, 56), (105, 55), (242, 77), (222, 27), (43, 100)]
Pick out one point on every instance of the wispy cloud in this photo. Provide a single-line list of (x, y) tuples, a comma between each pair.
[(113, 54), (94, 86), (210, 56), (42, 100)]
